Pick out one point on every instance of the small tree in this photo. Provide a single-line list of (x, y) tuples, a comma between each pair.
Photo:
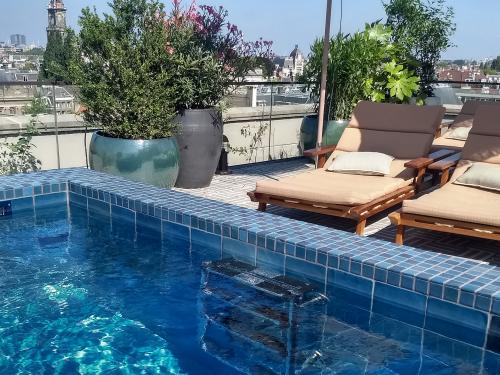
[(423, 29), (58, 55), (123, 71)]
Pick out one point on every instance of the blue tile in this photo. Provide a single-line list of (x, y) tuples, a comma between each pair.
[(400, 304), (446, 350), (368, 271), (78, 200), (380, 274), (493, 341), (270, 243), (203, 240), (407, 281), (148, 226), (242, 251), (50, 200), (393, 278), (290, 249), (302, 269), (22, 205), (98, 207), (466, 298), (436, 289), (495, 307), (450, 293), (455, 321), (270, 260), (421, 285), (252, 238), (173, 231), (353, 289), (483, 302), (300, 252), (322, 258)]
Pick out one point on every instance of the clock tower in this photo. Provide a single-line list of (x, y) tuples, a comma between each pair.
[(57, 18)]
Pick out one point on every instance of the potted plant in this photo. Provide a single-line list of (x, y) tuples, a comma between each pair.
[(122, 72), (209, 55), (361, 66)]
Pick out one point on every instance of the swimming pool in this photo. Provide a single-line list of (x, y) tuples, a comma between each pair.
[(88, 288)]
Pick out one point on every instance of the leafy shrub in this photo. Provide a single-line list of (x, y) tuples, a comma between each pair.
[(360, 66), (209, 54), (123, 71)]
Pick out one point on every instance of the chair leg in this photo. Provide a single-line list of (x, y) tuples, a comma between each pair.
[(360, 227), (400, 234), (262, 206)]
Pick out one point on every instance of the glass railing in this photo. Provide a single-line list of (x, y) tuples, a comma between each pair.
[(262, 119), (458, 92)]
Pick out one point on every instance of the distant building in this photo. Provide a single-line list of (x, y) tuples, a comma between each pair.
[(462, 75), (288, 68), (57, 17), (18, 40)]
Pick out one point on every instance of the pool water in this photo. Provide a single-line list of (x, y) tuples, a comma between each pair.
[(81, 294)]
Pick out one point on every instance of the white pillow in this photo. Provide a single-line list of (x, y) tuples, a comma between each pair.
[(365, 163), (481, 176), (461, 133)]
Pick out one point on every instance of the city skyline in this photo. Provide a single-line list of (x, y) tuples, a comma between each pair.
[(285, 22)]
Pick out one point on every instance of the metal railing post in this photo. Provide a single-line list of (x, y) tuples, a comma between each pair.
[(269, 157), (56, 127)]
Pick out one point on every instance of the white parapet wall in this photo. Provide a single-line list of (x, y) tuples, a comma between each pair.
[(252, 133)]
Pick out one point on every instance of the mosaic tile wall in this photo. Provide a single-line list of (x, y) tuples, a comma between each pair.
[(451, 296)]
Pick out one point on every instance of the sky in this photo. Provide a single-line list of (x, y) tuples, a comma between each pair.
[(285, 22)]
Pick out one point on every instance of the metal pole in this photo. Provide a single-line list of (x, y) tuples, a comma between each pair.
[(56, 126), (270, 122), (324, 68)]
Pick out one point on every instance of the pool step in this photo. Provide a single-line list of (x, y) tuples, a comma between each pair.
[(260, 309)]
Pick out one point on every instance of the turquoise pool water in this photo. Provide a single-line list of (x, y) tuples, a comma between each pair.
[(82, 295)]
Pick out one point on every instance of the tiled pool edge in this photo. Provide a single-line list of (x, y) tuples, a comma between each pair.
[(423, 289)]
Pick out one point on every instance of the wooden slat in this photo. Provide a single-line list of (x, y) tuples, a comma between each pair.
[(450, 226)]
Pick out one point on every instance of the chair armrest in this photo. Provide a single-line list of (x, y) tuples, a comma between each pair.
[(446, 163), (319, 151), (424, 162)]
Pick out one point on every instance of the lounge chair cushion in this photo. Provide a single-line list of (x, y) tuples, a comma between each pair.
[(447, 143), (326, 187), (481, 175), (460, 132), (456, 202), (365, 163)]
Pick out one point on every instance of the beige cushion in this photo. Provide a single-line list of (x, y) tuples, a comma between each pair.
[(446, 143), (460, 132), (401, 145), (462, 121), (485, 148), (365, 163), (456, 202), (481, 175), (337, 188), (403, 131), (397, 117)]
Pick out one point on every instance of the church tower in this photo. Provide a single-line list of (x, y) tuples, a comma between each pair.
[(57, 17)]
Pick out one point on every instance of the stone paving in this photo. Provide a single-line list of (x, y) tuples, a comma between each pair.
[(233, 188)]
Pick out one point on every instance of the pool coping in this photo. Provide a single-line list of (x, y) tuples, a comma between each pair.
[(438, 286)]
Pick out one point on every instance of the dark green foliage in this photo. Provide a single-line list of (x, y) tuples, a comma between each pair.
[(423, 29), (57, 57), (123, 71), (361, 66)]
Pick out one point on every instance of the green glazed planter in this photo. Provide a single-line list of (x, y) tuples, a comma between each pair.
[(332, 131), (155, 161)]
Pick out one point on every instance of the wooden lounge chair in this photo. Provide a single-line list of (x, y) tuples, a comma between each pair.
[(456, 208), (402, 131), (463, 120)]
